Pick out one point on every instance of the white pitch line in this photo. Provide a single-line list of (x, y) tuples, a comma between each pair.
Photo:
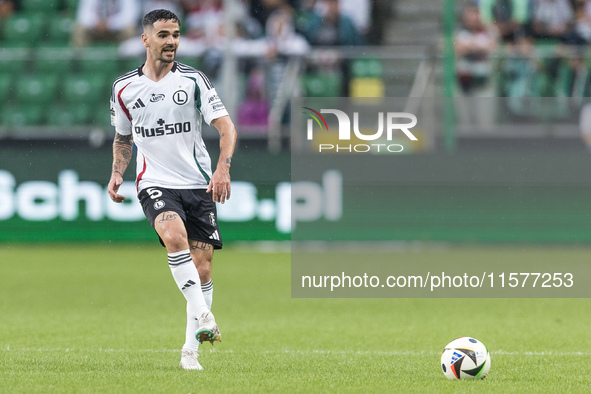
[(303, 352)]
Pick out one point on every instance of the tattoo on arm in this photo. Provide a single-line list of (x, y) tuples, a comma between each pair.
[(200, 245), (168, 216), (122, 152), (227, 141)]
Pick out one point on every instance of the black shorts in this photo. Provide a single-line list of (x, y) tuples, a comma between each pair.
[(194, 206)]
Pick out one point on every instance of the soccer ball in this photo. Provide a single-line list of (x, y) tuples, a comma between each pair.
[(465, 358)]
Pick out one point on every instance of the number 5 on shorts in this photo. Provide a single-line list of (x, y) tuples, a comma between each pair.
[(154, 193)]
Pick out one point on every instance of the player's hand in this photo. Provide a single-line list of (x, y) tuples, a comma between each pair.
[(219, 185), (113, 188)]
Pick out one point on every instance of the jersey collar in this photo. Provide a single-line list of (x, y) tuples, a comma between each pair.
[(140, 72)]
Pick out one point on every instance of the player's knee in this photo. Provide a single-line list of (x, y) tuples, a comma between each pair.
[(173, 240)]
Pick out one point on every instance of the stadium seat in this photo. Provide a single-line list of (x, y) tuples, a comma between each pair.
[(50, 60), (101, 117), (71, 115), (129, 64), (40, 6), (99, 60), (366, 68), (5, 80), (322, 85), (71, 6), (14, 61), (86, 88), (37, 89), (60, 30), (366, 87), (23, 115), (24, 30)]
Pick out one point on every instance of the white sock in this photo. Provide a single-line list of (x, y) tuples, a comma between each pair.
[(191, 343), (207, 290), (187, 279)]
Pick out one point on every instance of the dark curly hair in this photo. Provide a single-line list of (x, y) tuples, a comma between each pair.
[(158, 15)]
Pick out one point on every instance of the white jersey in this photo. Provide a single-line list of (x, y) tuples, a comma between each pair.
[(165, 120)]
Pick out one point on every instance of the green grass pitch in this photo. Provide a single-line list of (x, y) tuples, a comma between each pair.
[(109, 319)]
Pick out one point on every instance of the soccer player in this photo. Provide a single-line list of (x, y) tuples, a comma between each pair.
[(159, 106)]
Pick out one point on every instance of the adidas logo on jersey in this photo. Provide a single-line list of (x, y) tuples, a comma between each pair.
[(215, 235), (138, 104)]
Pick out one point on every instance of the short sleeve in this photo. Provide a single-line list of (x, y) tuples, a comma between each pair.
[(119, 118), (212, 106), (207, 100)]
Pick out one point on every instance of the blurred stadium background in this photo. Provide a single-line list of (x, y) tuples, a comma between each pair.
[(513, 94), (503, 162)]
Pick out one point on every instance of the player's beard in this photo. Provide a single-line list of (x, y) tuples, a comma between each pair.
[(164, 59)]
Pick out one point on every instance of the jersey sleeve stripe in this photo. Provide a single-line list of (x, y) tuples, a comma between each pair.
[(186, 69), (206, 80), (125, 110), (122, 78), (183, 68)]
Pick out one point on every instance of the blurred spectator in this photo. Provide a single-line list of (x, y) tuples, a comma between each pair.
[(581, 31), (304, 15), (381, 15), (474, 46), (359, 11), (262, 9), (577, 74), (551, 19), (511, 18), (253, 113), (7, 7), (281, 36), (105, 21), (330, 27), (508, 16), (178, 7), (585, 125), (206, 21), (282, 41), (206, 35)]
